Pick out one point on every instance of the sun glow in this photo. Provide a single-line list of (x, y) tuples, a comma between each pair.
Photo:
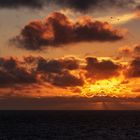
[(112, 87)]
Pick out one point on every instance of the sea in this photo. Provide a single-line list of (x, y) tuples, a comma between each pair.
[(69, 125)]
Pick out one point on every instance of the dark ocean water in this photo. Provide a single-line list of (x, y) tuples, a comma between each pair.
[(70, 125)]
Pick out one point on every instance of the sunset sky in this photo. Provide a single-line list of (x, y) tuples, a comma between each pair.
[(64, 54)]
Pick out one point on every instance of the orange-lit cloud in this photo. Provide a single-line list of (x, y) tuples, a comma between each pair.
[(86, 77), (57, 30)]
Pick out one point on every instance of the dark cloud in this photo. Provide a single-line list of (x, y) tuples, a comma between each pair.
[(82, 5), (57, 30), (21, 3), (133, 70), (137, 50), (79, 5), (64, 72), (138, 7), (57, 65), (12, 74), (52, 66), (101, 69), (65, 79), (57, 72), (30, 60), (32, 70)]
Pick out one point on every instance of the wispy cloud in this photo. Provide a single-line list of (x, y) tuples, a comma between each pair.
[(122, 19)]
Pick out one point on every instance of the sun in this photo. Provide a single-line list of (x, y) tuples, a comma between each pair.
[(111, 87)]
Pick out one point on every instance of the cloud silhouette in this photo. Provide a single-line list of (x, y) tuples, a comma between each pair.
[(79, 5), (58, 30), (133, 70), (101, 69), (57, 65), (12, 74), (33, 70)]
